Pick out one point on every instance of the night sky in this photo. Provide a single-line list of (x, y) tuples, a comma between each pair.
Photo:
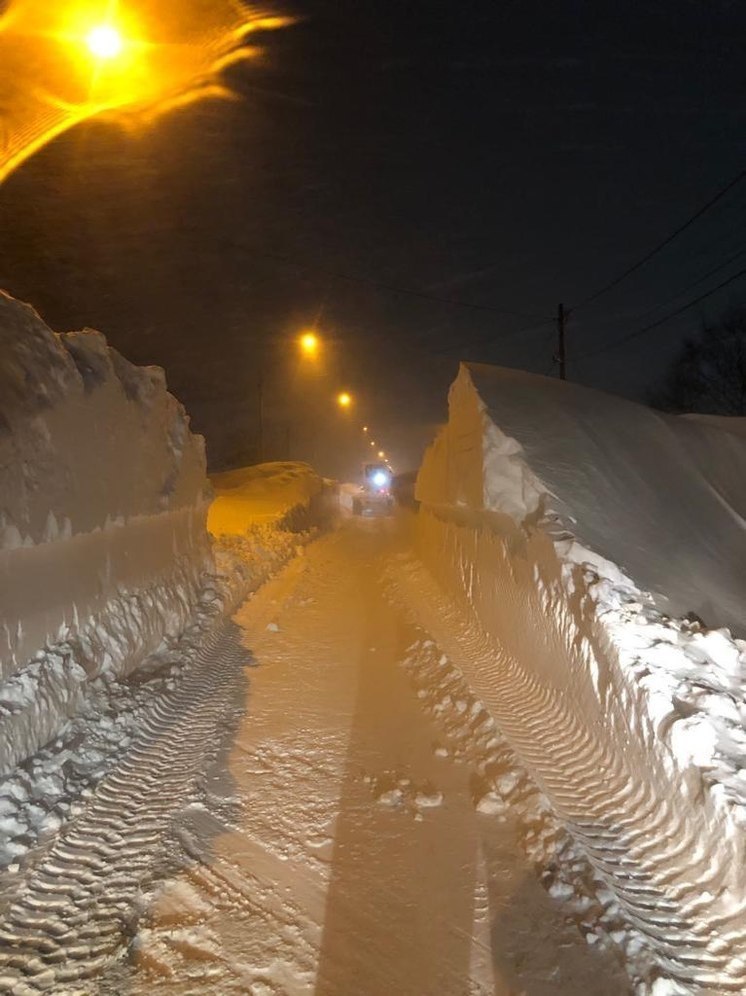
[(508, 155)]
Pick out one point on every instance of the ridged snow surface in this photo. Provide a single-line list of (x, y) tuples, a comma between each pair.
[(584, 550), (286, 494), (103, 501)]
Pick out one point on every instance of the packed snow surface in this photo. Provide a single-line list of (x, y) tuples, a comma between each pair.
[(340, 843), (588, 547), (342, 817), (103, 500), (266, 492)]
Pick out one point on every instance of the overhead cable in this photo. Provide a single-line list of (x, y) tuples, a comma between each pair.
[(662, 245)]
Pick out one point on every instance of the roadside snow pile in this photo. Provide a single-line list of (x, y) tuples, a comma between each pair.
[(103, 500), (289, 495), (589, 544), (263, 514), (50, 787)]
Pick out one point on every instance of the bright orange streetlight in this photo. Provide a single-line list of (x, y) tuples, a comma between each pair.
[(344, 399), (105, 41), (365, 428), (381, 454), (63, 63), (309, 344)]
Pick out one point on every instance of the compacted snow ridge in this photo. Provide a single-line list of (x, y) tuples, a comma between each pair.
[(110, 785), (103, 502), (66, 920), (581, 548), (49, 787), (39, 697), (288, 494), (502, 788)]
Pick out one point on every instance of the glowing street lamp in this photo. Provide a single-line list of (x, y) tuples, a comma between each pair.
[(365, 428), (309, 345), (372, 443), (63, 63), (381, 454), (344, 399), (105, 42)]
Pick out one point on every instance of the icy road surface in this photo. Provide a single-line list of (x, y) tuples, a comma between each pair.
[(333, 845)]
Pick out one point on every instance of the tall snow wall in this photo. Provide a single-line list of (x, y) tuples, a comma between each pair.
[(103, 503), (567, 532)]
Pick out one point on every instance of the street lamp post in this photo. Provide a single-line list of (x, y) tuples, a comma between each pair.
[(309, 345)]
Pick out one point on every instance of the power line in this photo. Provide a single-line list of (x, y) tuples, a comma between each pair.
[(661, 245), (666, 318), (696, 283), (390, 288)]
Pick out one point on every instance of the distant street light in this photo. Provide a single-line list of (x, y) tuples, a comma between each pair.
[(365, 428), (381, 454), (344, 399), (372, 443), (309, 345)]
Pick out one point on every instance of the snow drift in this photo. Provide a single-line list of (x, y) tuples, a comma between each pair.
[(587, 546), (103, 501), (287, 495)]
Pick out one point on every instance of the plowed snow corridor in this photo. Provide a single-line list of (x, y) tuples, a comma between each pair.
[(302, 825)]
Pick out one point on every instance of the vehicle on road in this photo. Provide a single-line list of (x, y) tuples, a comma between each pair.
[(374, 497)]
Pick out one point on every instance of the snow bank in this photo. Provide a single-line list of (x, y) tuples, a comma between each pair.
[(573, 531), (103, 500), (288, 495)]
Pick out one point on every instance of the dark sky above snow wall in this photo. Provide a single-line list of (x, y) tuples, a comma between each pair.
[(508, 155)]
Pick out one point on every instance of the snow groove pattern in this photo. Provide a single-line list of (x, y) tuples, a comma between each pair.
[(504, 789), (653, 854), (75, 911)]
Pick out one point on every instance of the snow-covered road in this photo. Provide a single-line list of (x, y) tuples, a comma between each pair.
[(336, 848), (306, 826)]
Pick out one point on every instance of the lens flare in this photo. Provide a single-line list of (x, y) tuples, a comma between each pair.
[(128, 60)]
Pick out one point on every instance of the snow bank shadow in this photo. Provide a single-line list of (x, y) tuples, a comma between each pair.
[(399, 904), (534, 949)]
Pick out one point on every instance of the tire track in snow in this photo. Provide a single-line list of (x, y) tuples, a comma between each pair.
[(74, 912), (668, 884), (502, 788)]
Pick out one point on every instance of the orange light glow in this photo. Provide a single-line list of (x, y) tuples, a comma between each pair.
[(381, 454), (309, 344), (64, 63), (344, 399), (105, 42)]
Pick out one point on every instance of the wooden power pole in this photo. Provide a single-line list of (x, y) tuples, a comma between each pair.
[(561, 356)]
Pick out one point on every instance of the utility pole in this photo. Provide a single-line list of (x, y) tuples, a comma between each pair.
[(260, 399), (561, 357)]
